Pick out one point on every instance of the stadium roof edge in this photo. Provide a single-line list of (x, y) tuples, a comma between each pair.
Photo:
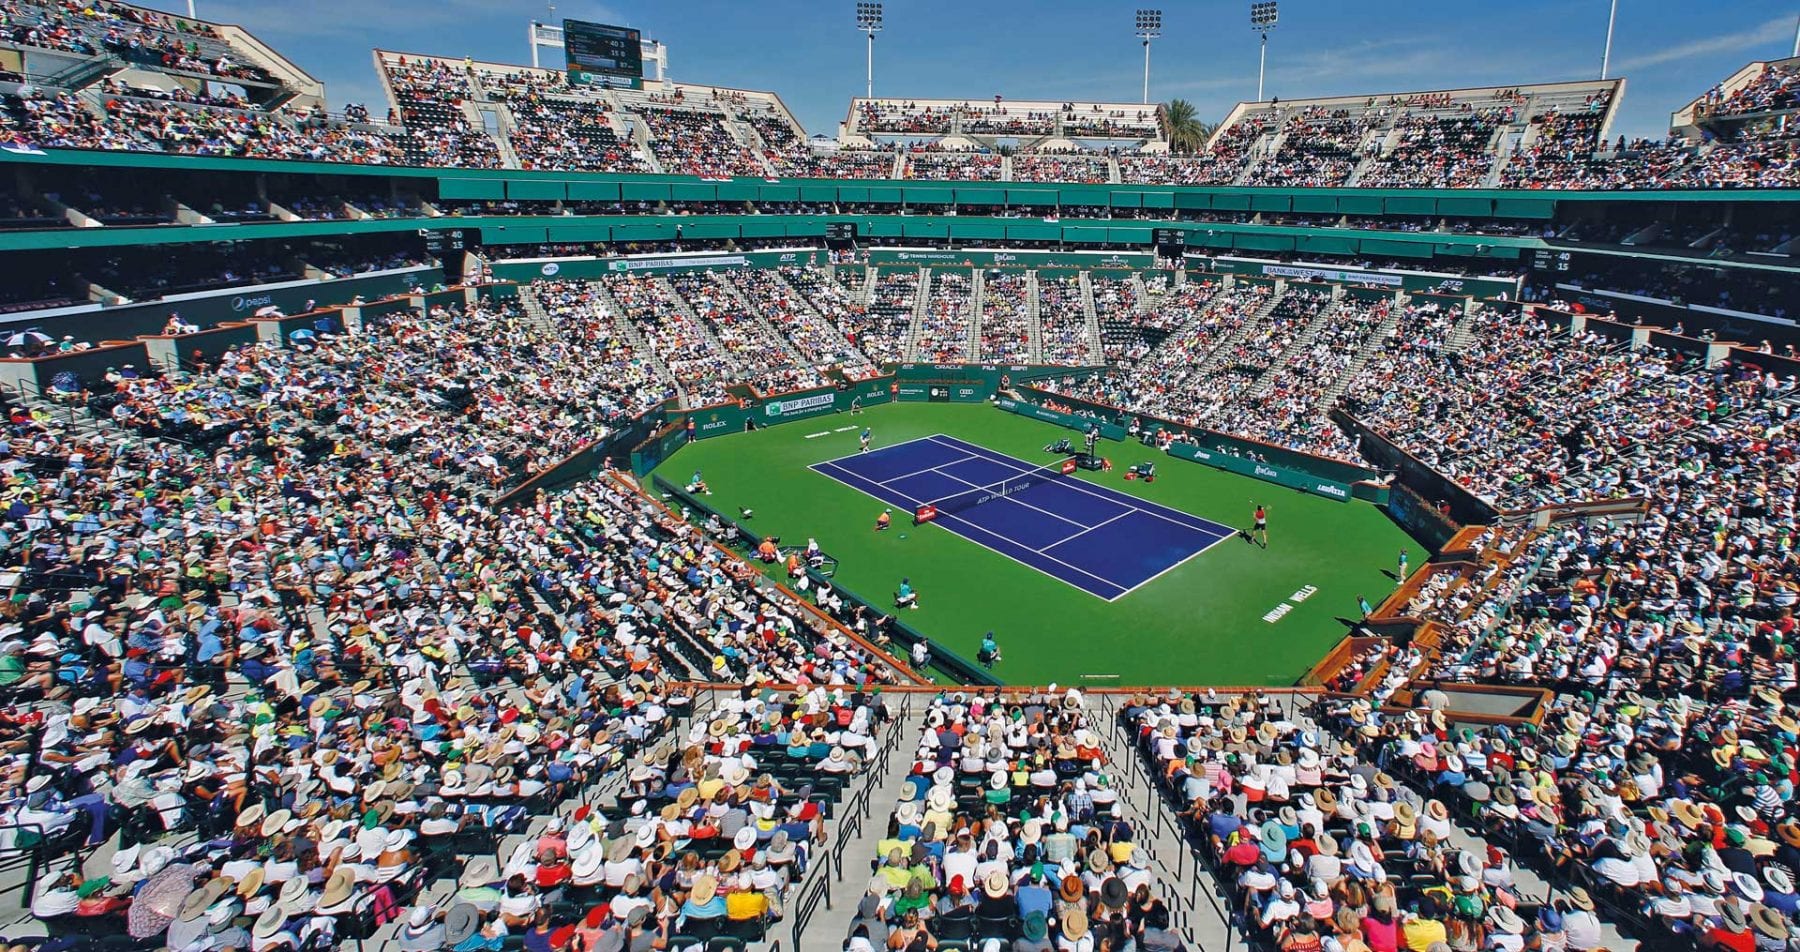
[(1563, 85), (1684, 117)]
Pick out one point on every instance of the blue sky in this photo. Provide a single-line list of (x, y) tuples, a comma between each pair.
[(811, 54)]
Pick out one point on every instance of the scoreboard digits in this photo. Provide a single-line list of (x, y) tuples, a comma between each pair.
[(607, 50)]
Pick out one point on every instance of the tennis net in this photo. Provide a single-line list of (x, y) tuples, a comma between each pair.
[(1010, 486)]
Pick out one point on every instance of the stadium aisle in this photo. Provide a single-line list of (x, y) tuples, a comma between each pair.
[(829, 927)]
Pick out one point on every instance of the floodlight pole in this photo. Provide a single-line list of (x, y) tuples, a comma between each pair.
[(1796, 35), (1263, 17), (1262, 61), (1146, 70), (1606, 56), (1149, 27), (868, 20)]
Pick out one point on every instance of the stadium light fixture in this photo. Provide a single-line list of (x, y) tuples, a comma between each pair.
[(1263, 17), (868, 20), (1149, 27)]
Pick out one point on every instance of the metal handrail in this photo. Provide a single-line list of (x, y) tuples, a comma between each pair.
[(33, 856), (807, 905)]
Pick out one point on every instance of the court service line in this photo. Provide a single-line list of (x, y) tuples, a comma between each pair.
[(1087, 530), (921, 472), (922, 439), (1207, 548), (908, 499), (1008, 498), (1144, 506)]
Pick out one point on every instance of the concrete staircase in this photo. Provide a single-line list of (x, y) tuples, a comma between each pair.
[(627, 329), (1096, 345), (806, 305), (868, 285), (977, 295), (1278, 365), (687, 311), (747, 134), (1463, 334), (1034, 327), (1221, 348), (763, 327), (1370, 347), (472, 108), (859, 826), (504, 121), (920, 301), (535, 315)]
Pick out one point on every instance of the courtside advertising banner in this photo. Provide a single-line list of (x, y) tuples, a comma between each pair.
[(1279, 475)]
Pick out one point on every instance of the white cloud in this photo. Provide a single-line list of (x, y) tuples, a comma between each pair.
[(1767, 32)]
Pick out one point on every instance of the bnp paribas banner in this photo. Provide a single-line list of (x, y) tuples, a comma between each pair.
[(684, 261), (800, 405), (972, 258)]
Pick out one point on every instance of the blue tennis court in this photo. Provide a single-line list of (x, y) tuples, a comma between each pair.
[(1101, 541)]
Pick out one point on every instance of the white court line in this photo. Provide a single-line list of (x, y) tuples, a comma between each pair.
[(1085, 531), (1057, 516), (1082, 487), (843, 429), (1109, 583), (1177, 565), (884, 449), (921, 472)]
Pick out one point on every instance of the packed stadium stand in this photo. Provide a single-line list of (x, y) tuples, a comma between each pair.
[(343, 607)]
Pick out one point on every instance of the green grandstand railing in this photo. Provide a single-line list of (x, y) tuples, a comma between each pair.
[(602, 186)]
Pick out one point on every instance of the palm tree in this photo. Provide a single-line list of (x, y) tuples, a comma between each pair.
[(1186, 132)]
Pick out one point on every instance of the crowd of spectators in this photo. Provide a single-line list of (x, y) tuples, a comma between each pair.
[(1776, 88), (425, 672), (1319, 148), (1130, 324), (696, 359), (1219, 163), (622, 382), (960, 165), (881, 115), (1439, 151), (1006, 319), (943, 327), (697, 142), (1009, 832), (768, 362), (1528, 415), (792, 315), (888, 326), (429, 95), (1315, 845), (803, 161), (1064, 333), (556, 127), (1050, 167), (1562, 152), (1288, 407), (1236, 367)]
